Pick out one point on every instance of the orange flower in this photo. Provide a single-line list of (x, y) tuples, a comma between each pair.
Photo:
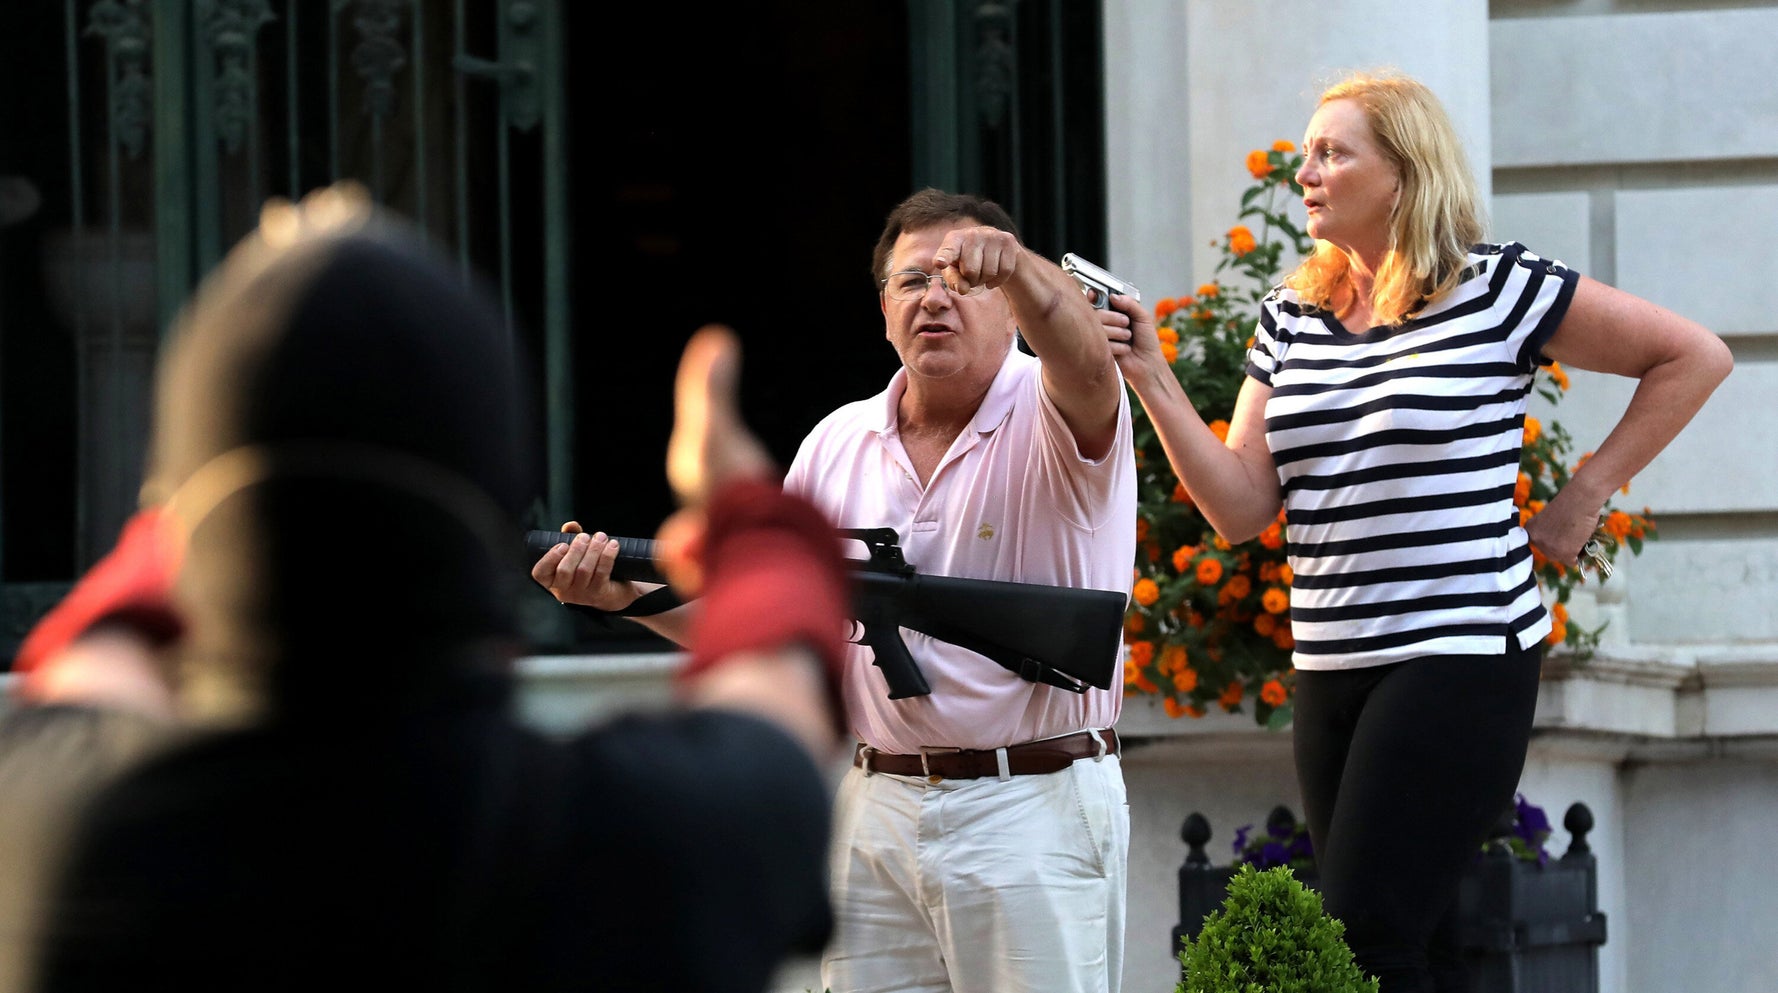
[(1194, 711), (1145, 592), (1286, 574), (1182, 557), (1163, 307), (1259, 164), (1134, 623), (1167, 335), (1173, 707), (1209, 571), (1283, 638), (1231, 695), (1273, 692), (1186, 303), (1221, 543), (1170, 352), (1146, 684), (1559, 611), (1241, 240), (1209, 290), (1617, 524), (1142, 653), (1265, 624), (1180, 495), (1283, 146), (1172, 659), (1141, 529), (1185, 679), (1220, 428), (1558, 634), (1272, 537), (1559, 376), (1275, 600), (1532, 430), (1239, 586)]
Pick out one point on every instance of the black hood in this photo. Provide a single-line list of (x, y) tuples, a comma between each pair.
[(341, 430)]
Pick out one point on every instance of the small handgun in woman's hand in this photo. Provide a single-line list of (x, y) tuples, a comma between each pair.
[(1098, 284)]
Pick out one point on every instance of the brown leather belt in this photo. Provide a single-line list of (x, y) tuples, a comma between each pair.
[(1027, 759)]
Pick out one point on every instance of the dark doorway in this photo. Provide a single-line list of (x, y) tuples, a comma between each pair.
[(730, 165)]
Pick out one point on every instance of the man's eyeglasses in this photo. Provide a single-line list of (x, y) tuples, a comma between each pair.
[(911, 284)]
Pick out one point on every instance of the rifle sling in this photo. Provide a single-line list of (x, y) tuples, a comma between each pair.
[(647, 605)]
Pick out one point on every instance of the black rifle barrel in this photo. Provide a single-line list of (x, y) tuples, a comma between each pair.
[(635, 556)]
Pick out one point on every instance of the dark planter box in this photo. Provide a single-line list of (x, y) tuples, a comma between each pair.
[(1524, 927)]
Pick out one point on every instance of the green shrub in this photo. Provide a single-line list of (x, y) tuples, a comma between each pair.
[(1271, 936)]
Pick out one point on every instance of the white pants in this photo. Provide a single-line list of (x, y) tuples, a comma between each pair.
[(979, 885)]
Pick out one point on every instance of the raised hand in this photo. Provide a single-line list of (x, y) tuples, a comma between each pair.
[(710, 447), (978, 258)]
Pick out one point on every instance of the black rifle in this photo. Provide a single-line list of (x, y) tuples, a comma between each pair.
[(1056, 635)]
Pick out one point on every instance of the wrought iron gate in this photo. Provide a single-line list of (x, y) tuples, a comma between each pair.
[(183, 116)]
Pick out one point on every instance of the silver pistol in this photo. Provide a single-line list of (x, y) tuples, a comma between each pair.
[(1098, 284)]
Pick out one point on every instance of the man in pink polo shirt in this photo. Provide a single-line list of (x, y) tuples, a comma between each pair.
[(981, 836)]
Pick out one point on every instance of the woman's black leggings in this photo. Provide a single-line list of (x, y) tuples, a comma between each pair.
[(1403, 770)]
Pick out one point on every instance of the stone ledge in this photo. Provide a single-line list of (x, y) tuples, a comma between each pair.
[(1680, 692), (565, 692)]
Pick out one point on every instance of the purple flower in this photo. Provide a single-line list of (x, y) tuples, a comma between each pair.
[(1530, 816), (1241, 838), (1531, 827), (1301, 848)]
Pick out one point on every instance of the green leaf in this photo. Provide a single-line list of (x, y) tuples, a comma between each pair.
[(1280, 719)]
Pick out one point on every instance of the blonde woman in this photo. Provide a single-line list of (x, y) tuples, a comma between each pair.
[(1383, 409)]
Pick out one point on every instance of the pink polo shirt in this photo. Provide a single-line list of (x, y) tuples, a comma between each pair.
[(1013, 500)]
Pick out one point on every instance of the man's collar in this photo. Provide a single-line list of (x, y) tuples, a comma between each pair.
[(995, 406)]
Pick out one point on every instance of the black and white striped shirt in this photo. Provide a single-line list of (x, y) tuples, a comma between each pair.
[(1398, 449)]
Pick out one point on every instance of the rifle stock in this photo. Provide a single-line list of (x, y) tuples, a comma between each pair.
[(1061, 636)]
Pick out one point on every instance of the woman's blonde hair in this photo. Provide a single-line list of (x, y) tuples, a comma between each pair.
[(1437, 218)]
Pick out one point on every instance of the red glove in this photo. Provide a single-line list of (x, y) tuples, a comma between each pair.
[(132, 584), (772, 575)]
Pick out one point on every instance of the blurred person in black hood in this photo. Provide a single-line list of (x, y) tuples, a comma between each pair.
[(338, 466)]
